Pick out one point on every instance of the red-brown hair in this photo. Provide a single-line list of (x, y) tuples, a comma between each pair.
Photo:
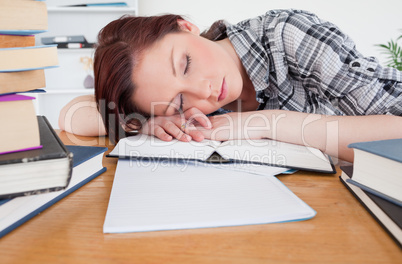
[(119, 48)]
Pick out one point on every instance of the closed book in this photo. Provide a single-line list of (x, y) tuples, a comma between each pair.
[(388, 215), (87, 166), (22, 81), (377, 168), (11, 41), (28, 58), (39, 170), (86, 45), (19, 129), (22, 17)]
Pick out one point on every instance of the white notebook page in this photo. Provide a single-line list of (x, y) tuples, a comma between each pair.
[(149, 196)]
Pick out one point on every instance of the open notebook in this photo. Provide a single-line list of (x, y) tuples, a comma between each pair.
[(150, 196)]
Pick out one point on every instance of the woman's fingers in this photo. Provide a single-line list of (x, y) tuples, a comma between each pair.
[(193, 115), (161, 134), (175, 130), (181, 127), (193, 132)]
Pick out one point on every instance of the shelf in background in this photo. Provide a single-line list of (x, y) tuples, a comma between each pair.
[(62, 51), (69, 91), (66, 82)]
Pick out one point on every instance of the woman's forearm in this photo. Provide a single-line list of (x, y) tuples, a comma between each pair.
[(332, 134), (81, 117)]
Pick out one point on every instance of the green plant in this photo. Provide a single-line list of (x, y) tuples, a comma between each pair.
[(393, 52)]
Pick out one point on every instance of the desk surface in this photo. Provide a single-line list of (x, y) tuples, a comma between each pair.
[(71, 230)]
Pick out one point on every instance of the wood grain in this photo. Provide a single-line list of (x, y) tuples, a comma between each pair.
[(71, 231)]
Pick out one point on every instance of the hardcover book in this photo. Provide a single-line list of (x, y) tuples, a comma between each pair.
[(11, 41), (377, 168), (87, 166), (39, 170), (23, 17), (22, 81), (28, 58), (18, 116), (388, 215)]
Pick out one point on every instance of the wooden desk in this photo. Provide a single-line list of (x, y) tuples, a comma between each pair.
[(71, 231)]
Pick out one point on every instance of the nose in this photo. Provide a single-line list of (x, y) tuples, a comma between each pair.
[(203, 89)]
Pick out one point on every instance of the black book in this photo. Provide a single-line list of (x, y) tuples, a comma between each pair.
[(36, 171), (85, 45), (64, 39), (16, 211), (386, 213)]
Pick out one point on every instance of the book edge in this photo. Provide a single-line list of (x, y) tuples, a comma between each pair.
[(371, 207), (375, 192), (38, 210), (367, 146)]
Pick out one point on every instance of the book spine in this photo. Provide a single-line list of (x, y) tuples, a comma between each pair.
[(68, 153), (369, 210)]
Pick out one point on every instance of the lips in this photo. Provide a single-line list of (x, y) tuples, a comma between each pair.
[(224, 91)]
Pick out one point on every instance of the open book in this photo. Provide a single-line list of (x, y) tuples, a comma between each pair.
[(264, 151)]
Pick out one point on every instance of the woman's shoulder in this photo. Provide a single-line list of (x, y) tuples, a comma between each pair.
[(274, 20)]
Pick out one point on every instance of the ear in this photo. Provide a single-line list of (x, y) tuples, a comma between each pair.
[(188, 26)]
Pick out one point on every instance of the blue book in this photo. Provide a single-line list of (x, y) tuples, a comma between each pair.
[(25, 32), (87, 162), (377, 168), (387, 214)]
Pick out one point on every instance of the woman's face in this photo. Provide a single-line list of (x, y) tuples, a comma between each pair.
[(184, 70)]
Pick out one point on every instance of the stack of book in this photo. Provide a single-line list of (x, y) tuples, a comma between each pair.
[(375, 180), (32, 158), (36, 168)]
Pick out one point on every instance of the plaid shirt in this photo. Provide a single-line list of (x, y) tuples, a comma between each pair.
[(298, 62)]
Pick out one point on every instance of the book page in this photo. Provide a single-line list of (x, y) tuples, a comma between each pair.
[(275, 153), (149, 196), (152, 147), (252, 168)]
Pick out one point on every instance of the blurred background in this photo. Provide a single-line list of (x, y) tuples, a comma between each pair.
[(368, 22)]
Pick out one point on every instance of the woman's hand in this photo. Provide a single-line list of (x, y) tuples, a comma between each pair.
[(180, 126)]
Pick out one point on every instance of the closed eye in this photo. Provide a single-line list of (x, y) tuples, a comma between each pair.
[(188, 64)]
